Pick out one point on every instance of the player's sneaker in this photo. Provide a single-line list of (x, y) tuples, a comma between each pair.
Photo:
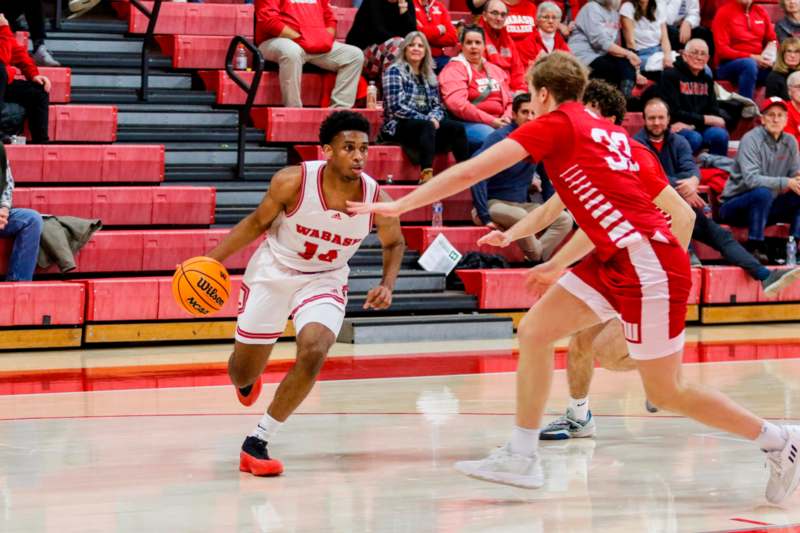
[(784, 473), (248, 395), (568, 427), (254, 458), (650, 407), (502, 466), (779, 280)]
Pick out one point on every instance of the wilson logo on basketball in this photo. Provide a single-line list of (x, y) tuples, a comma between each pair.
[(204, 285), (197, 306)]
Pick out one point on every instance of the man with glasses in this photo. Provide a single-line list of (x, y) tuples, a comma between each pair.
[(688, 90), (500, 47)]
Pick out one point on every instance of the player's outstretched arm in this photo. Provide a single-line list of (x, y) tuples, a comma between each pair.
[(669, 201), (532, 223), (541, 277), (455, 179), (282, 192), (393, 245)]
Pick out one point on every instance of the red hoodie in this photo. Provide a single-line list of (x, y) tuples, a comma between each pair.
[(501, 50), (459, 86), (428, 22), (309, 18), (521, 23), (13, 54), (740, 32)]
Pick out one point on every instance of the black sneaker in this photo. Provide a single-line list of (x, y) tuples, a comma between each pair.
[(779, 280), (254, 458)]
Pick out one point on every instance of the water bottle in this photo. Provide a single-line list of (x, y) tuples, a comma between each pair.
[(438, 214), (389, 179), (791, 252), (240, 63), (372, 95)]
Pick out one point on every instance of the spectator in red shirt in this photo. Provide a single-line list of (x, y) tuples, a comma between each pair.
[(521, 25), (433, 20), (793, 123), (745, 44), (500, 47), (32, 93), (547, 36), (294, 32)]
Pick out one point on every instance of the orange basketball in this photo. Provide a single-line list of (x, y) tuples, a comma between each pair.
[(201, 286)]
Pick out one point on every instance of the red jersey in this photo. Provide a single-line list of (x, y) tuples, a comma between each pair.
[(651, 173), (590, 163), (428, 21)]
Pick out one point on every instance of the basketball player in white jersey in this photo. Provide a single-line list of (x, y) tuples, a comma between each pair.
[(301, 271)]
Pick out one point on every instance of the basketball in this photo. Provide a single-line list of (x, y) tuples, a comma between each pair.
[(201, 286)]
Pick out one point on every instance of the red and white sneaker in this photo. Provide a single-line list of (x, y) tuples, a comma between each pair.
[(254, 458), (248, 395)]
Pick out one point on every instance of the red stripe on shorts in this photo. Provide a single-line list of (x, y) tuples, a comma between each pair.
[(335, 297)]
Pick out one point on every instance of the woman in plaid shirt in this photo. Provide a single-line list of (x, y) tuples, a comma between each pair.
[(412, 109)]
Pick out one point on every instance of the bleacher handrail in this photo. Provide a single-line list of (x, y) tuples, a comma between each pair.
[(251, 90), (148, 43)]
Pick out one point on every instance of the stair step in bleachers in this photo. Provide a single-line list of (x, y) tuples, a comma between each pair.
[(87, 123), (372, 330), (457, 208), (191, 19), (504, 288), (95, 79), (463, 238), (732, 285), (41, 303), (409, 281), (124, 206), (382, 160), (89, 163), (269, 91), (301, 125)]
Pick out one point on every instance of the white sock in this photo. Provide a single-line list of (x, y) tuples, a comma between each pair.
[(772, 437), (267, 428), (580, 408), (524, 441)]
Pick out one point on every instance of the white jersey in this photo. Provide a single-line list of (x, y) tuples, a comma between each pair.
[(313, 238)]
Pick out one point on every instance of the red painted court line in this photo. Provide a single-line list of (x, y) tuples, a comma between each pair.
[(788, 528), (755, 522)]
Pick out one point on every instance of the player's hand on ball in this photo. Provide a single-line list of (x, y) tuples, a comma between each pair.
[(379, 297), (495, 238), (387, 209), (541, 277)]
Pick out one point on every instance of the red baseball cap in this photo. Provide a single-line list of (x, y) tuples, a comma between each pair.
[(771, 101)]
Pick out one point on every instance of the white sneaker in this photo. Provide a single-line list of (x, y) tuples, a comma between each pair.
[(502, 466), (784, 473)]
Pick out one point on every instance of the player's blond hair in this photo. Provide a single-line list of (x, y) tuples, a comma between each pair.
[(561, 73)]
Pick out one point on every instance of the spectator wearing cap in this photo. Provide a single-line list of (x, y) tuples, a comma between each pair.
[(764, 187), (433, 20), (500, 47)]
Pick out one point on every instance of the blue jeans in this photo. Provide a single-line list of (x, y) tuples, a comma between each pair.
[(25, 226), (476, 134), (744, 72), (715, 138), (439, 63), (756, 209)]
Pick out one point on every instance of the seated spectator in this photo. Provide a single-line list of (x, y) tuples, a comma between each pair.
[(688, 90), (23, 225), (32, 93), (793, 107), (644, 30), (594, 42), (675, 155), (683, 23), (547, 35), (378, 29), (764, 187), (521, 25), (412, 112), (745, 44), (789, 25), (502, 200), (788, 61), (500, 47), (293, 33), (474, 90), (34, 18), (433, 20)]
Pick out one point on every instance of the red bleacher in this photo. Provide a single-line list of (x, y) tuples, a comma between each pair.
[(457, 208), (728, 284), (269, 91), (87, 123), (124, 206), (382, 161), (463, 238), (301, 125), (179, 18), (98, 163), (60, 83), (41, 303)]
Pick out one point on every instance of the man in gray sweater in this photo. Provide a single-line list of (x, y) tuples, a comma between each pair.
[(764, 187), (23, 225)]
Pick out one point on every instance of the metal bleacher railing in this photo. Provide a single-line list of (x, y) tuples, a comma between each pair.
[(251, 90)]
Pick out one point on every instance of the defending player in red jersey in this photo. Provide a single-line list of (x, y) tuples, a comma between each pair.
[(301, 271), (637, 271)]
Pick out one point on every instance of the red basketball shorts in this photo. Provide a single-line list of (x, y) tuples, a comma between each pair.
[(646, 285)]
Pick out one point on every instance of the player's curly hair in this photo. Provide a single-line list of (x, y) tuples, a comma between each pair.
[(606, 97), (562, 74), (340, 121)]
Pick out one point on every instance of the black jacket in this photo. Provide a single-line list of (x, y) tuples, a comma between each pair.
[(689, 97), (776, 85), (378, 21), (675, 156)]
